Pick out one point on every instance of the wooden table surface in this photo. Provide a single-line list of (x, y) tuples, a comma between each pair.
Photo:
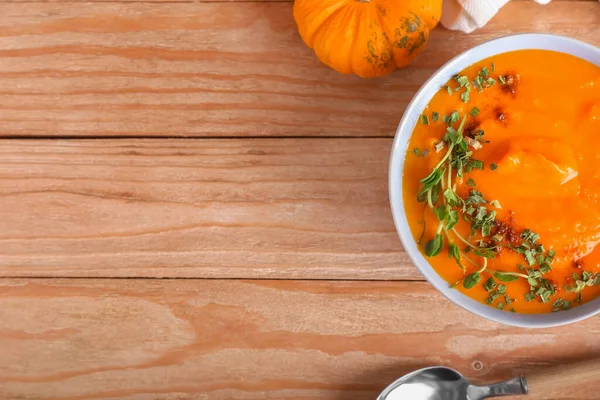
[(193, 207)]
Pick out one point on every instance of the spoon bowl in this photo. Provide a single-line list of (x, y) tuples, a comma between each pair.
[(442, 383)]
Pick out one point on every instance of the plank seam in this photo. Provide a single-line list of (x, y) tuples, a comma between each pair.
[(208, 278), (69, 137)]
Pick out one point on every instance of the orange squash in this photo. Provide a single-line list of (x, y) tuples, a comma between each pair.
[(366, 37)]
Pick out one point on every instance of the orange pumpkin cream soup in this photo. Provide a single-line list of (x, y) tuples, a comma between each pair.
[(501, 181)]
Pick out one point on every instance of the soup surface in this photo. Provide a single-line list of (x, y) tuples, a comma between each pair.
[(502, 181)]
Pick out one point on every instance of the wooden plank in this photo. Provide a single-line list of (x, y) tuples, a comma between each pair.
[(262, 208), (200, 1), (211, 339), (213, 69)]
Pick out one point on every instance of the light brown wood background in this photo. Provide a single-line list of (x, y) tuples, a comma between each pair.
[(203, 143)]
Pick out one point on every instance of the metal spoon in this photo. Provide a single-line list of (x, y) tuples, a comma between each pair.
[(442, 383)]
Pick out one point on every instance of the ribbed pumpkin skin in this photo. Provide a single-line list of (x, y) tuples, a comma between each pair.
[(366, 37)]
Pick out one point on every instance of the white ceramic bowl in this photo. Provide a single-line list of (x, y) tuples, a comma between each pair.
[(506, 44)]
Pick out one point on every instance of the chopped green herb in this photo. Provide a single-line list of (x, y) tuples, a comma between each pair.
[(454, 116), (493, 166), (424, 120), (477, 164), (462, 80), (545, 297), (529, 257), (529, 296), (474, 111), (489, 285), (477, 82), (465, 97), (449, 89), (502, 80), (545, 268), (475, 197), (484, 72), (471, 182), (490, 81), (495, 203), (539, 259), (416, 151), (435, 116), (500, 306), (493, 67), (530, 236)]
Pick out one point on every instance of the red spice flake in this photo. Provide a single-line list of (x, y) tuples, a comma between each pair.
[(578, 263), (511, 82), (470, 128), (500, 114), (507, 230)]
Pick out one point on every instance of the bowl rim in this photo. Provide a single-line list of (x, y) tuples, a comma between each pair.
[(525, 41)]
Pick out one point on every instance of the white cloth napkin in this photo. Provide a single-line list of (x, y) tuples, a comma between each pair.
[(468, 15)]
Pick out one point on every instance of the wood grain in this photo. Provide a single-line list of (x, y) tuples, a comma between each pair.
[(243, 208), (213, 69), (211, 339), (189, 1)]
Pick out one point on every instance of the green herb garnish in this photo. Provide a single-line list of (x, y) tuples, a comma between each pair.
[(434, 246), (471, 280), (454, 117), (440, 194), (489, 284), (506, 276)]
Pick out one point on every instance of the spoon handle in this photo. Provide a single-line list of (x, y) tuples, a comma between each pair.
[(553, 379)]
